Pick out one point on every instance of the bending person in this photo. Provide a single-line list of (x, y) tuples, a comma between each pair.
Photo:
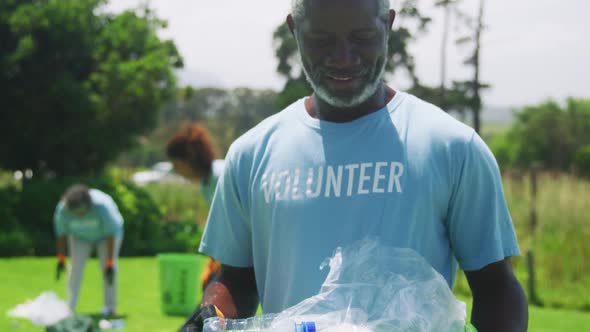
[(88, 219)]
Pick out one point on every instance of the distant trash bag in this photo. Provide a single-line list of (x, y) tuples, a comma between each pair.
[(112, 324), (77, 323), (374, 288), (46, 309)]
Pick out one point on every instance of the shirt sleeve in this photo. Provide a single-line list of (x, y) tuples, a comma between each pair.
[(227, 235), (480, 226), (111, 217), (60, 224)]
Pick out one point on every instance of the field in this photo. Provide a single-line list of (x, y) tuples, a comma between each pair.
[(560, 243), (139, 299), (26, 278)]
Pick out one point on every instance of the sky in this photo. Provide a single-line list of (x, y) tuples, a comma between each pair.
[(532, 50)]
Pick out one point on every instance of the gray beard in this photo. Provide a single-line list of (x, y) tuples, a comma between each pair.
[(353, 101)]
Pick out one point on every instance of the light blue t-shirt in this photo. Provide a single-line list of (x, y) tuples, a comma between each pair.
[(295, 188), (103, 219)]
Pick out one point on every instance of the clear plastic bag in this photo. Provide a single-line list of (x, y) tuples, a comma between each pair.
[(374, 288)]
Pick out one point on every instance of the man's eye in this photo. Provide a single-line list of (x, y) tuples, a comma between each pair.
[(364, 36), (318, 37), (319, 40)]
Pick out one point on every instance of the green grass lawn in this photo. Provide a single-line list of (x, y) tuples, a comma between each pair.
[(551, 320), (26, 278), (139, 297)]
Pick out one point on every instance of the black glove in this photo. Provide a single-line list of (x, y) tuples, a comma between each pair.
[(195, 322), (61, 266), (109, 273)]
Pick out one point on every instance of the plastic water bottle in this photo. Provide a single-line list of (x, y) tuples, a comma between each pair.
[(260, 323)]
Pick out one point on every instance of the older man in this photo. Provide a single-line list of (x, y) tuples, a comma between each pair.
[(356, 158)]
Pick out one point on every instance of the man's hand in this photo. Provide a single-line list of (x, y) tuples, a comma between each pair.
[(195, 322), (109, 271), (233, 292), (61, 266)]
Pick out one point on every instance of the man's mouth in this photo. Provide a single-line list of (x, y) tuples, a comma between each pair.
[(340, 78)]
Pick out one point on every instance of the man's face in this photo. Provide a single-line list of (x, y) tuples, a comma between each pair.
[(343, 49), (80, 210), (186, 170)]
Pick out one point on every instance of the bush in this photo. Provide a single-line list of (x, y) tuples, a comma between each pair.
[(8, 199), (180, 237), (547, 133), (179, 202), (32, 209), (582, 160), (143, 219), (185, 212), (174, 224), (504, 150), (15, 243)]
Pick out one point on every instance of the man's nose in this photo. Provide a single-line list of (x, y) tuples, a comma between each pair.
[(343, 56)]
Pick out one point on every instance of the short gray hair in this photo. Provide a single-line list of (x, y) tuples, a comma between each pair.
[(298, 8), (77, 196)]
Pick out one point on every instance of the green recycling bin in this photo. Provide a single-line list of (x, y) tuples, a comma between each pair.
[(180, 286)]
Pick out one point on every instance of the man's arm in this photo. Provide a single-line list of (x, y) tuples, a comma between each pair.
[(110, 246), (499, 302), (233, 292), (61, 256), (61, 245), (109, 268), (60, 226)]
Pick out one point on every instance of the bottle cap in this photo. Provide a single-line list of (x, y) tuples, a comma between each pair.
[(308, 327)]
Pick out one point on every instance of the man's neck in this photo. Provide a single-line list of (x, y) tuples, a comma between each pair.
[(319, 109)]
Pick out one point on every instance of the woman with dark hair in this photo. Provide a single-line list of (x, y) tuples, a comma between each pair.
[(193, 155)]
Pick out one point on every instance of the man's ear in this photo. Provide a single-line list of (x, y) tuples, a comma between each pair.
[(391, 18), (291, 23)]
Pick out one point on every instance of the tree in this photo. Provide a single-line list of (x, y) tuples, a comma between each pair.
[(410, 23), (447, 6), (78, 85), (455, 98), (473, 87), (545, 133), (227, 114)]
